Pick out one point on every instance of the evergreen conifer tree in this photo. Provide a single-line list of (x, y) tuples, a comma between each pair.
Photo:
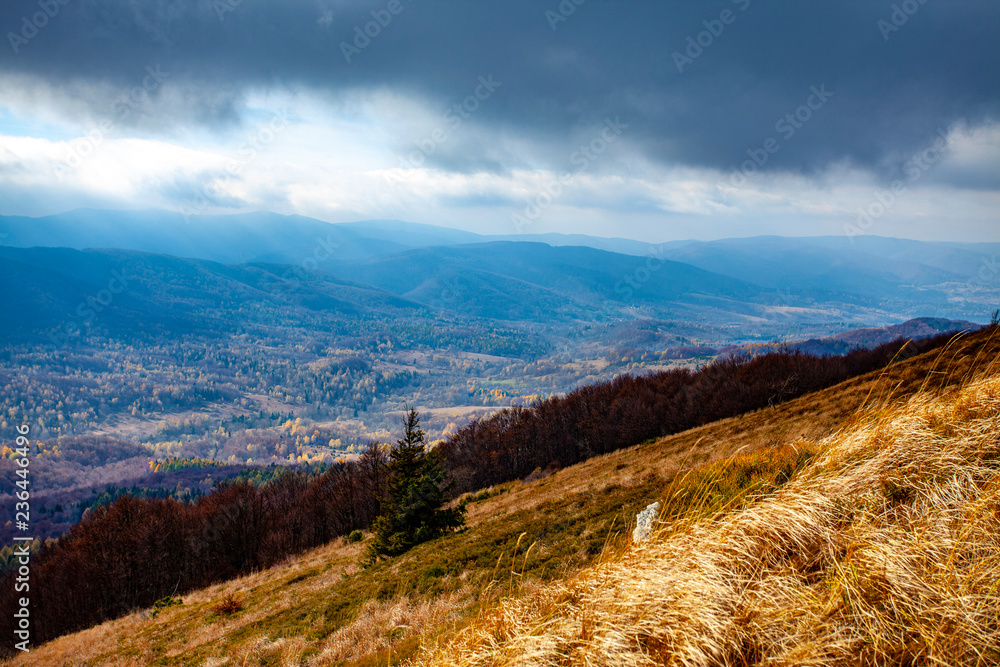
[(412, 508)]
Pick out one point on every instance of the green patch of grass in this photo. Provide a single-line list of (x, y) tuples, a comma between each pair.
[(486, 494), (165, 603), (302, 576), (733, 482), (340, 611)]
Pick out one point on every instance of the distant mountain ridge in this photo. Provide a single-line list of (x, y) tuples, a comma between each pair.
[(868, 337), (58, 292), (807, 263), (245, 237), (239, 238), (508, 280), (915, 329), (868, 279), (229, 239)]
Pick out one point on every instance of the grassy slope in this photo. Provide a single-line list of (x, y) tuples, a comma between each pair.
[(885, 550), (321, 609)]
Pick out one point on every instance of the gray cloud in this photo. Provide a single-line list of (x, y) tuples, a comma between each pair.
[(606, 59)]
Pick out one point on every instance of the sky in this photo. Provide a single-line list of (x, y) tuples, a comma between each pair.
[(646, 119)]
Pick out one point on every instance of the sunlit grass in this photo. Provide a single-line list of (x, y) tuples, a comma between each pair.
[(885, 550)]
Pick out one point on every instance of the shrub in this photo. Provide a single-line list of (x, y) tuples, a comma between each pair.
[(355, 536), (227, 606), (165, 603)]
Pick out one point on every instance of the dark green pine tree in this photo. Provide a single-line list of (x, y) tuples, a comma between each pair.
[(413, 507)]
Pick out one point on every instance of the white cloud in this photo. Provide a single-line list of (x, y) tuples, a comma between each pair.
[(338, 158)]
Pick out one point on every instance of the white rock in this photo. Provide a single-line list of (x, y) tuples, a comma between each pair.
[(644, 523)]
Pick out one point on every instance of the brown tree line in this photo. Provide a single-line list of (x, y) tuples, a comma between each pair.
[(127, 555), (628, 410), (135, 551)]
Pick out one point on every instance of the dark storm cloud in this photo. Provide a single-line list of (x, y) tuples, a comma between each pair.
[(892, 89)]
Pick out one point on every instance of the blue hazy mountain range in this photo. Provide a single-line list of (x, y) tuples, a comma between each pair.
[(377, 265)]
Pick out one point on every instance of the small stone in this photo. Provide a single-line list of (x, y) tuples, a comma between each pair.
[(644, 523)]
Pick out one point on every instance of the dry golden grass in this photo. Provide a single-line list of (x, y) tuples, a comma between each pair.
[(380, 626), (884, 551)]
